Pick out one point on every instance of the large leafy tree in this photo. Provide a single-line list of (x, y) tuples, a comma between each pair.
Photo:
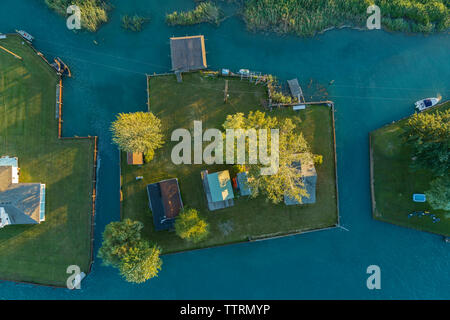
[(439, 194), (137, 132), (428, 134), (124, 249), (190, 226), (293, 147), (141, 262), (117, 239)]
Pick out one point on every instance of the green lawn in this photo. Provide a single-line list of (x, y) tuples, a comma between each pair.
[(201, 98), (394, 184), (28, 130)]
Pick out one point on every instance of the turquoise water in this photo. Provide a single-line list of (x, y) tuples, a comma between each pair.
[(377, 76)]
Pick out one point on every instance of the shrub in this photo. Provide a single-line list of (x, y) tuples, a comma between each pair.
[(189, 226), (318, 159), (439, 194)]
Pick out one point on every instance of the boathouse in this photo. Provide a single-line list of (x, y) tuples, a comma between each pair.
[(296, 90), (188, 53)]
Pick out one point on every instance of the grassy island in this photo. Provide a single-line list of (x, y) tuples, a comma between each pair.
[(42, 252), (305, 17), (94, 13), (203, 12), (394, 183), (201, 97)]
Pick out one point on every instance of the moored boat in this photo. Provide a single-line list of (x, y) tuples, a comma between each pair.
[(25, 35), (424, 104)]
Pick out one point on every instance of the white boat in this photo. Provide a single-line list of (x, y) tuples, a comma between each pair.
[(25, 35), (424, 104), (76, 283)]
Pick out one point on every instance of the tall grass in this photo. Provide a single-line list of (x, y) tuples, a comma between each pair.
[(306, 17), (133, 23), (93, 12), (203, 12)]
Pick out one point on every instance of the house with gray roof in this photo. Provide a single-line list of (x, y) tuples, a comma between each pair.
[(20, 203), (309, 178)]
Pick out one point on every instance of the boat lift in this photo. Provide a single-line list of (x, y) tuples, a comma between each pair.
[(61, 67)]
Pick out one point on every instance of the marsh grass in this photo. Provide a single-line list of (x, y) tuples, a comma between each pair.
[(307, 17), (203, 12), (94, 13)]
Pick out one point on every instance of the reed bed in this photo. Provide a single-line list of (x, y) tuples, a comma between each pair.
[(203, 12), (307, 17), (94, 13)]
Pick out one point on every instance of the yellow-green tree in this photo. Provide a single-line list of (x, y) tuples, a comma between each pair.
[(439, 194), (123, 248), (189, 226), (428, 134), (142, 262), (137, 132), (293, 148)]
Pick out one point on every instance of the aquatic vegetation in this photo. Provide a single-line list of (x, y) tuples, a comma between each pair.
[(306, 17), (94, 13), (133, 23), (203, 12)]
